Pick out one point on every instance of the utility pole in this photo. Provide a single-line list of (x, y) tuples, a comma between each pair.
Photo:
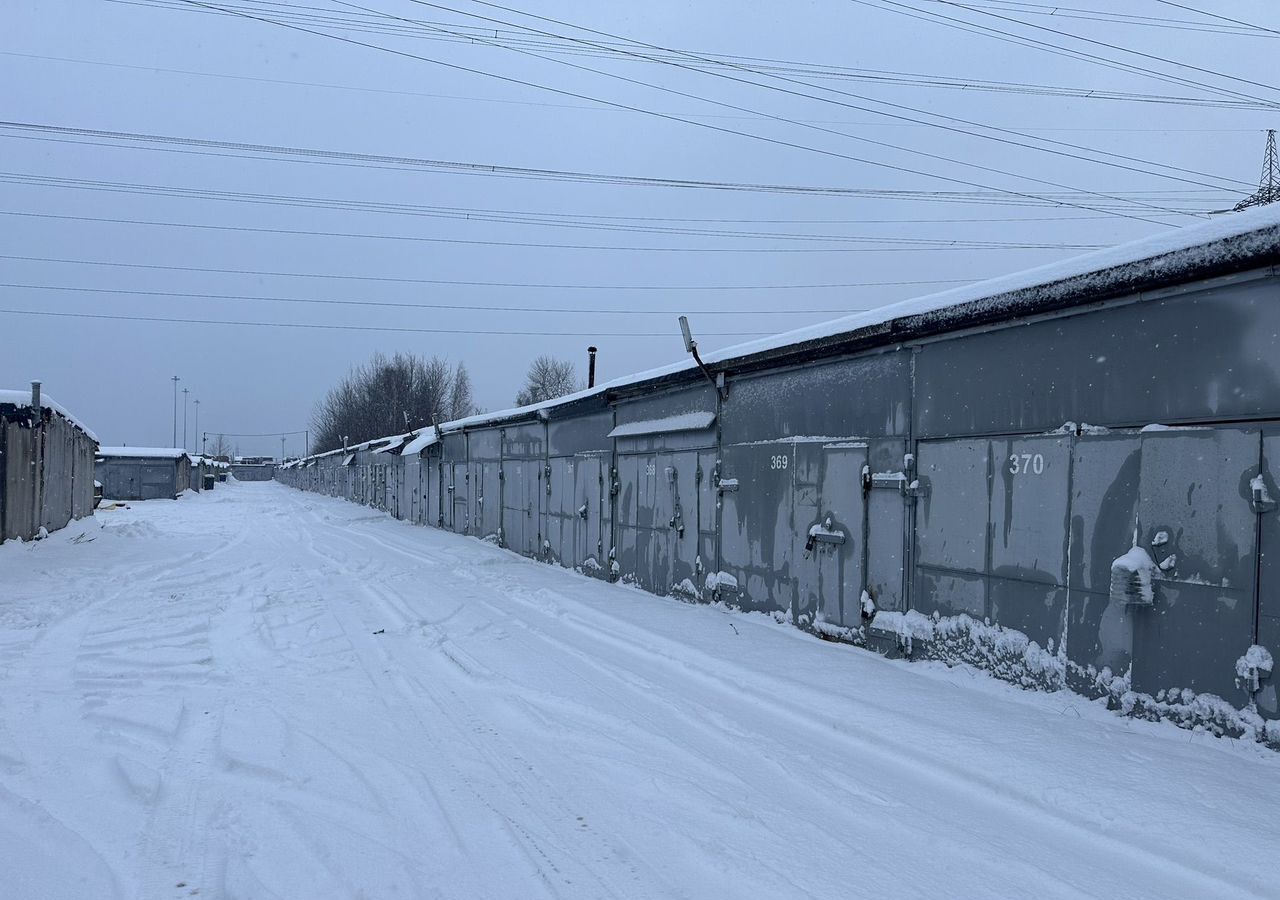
[(175, 410), (1269, 185), (195, 432), (306, 442), (282, 448), (185, 391)]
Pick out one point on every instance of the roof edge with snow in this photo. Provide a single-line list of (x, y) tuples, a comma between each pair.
[(1232, 243), (22, 400), (142, 452)]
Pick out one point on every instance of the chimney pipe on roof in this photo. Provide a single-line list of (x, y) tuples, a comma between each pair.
[(35, 395), (591, 367)]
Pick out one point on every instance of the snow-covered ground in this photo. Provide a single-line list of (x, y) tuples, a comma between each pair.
[(259, 693)]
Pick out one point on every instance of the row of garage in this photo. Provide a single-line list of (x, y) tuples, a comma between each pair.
[(1086, 455)]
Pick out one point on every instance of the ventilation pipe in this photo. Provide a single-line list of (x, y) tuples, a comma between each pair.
[(35, 396), (591, 367)]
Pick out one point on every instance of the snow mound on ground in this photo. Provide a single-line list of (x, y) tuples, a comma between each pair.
[(1008, 654)]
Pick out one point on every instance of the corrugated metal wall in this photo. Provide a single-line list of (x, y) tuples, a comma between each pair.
[(46, 472)]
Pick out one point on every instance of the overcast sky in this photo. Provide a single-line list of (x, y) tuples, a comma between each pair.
[(396, 84)]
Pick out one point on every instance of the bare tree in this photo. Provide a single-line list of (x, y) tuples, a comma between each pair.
[(390, 395), (221, 448), (461, 403), (547, 379)]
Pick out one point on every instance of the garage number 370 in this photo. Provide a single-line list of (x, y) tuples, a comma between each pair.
[(1026, 464)]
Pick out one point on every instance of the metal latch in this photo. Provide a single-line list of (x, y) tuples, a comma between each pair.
[(823, 533), (1260, 498)]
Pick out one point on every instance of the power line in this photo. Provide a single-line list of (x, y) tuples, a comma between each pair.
[(830, 72), (500, 284), (665, 116), (859, 138), (1217, 16), (311, 155), (641, 224), (465, 307), (669, 335), (1110, 46), (1097, 15), (899, 244), (913, 12), (684, 55)]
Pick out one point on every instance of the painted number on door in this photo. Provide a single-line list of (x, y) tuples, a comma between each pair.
[(1026, 464), (778, 462), (651, 469)]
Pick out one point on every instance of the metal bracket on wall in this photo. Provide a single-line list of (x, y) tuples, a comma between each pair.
[(1260, 498)]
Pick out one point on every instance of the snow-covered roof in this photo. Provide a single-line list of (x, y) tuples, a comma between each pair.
[(392, 444), (690, 421), (22, 400), (422, 439), (1235, 239), (143, 452)]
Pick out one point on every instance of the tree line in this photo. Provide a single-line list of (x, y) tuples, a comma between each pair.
[(404, 392)]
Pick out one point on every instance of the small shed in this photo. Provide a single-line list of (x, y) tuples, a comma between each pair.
[(143, 473), (46, 465)]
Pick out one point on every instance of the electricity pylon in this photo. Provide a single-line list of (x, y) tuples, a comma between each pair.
[(1269, 187)]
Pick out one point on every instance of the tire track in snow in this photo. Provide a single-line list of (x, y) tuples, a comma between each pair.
[(972, 784)]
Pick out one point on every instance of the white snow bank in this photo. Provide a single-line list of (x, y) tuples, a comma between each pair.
[(1008, 654)]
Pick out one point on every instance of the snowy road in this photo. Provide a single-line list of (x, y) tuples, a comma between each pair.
[(258, 693)]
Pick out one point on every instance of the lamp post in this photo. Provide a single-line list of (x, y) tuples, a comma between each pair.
[(195, 432), (185, 391), (175, 410)]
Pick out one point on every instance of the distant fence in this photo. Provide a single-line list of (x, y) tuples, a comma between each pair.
[(256, 472)]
